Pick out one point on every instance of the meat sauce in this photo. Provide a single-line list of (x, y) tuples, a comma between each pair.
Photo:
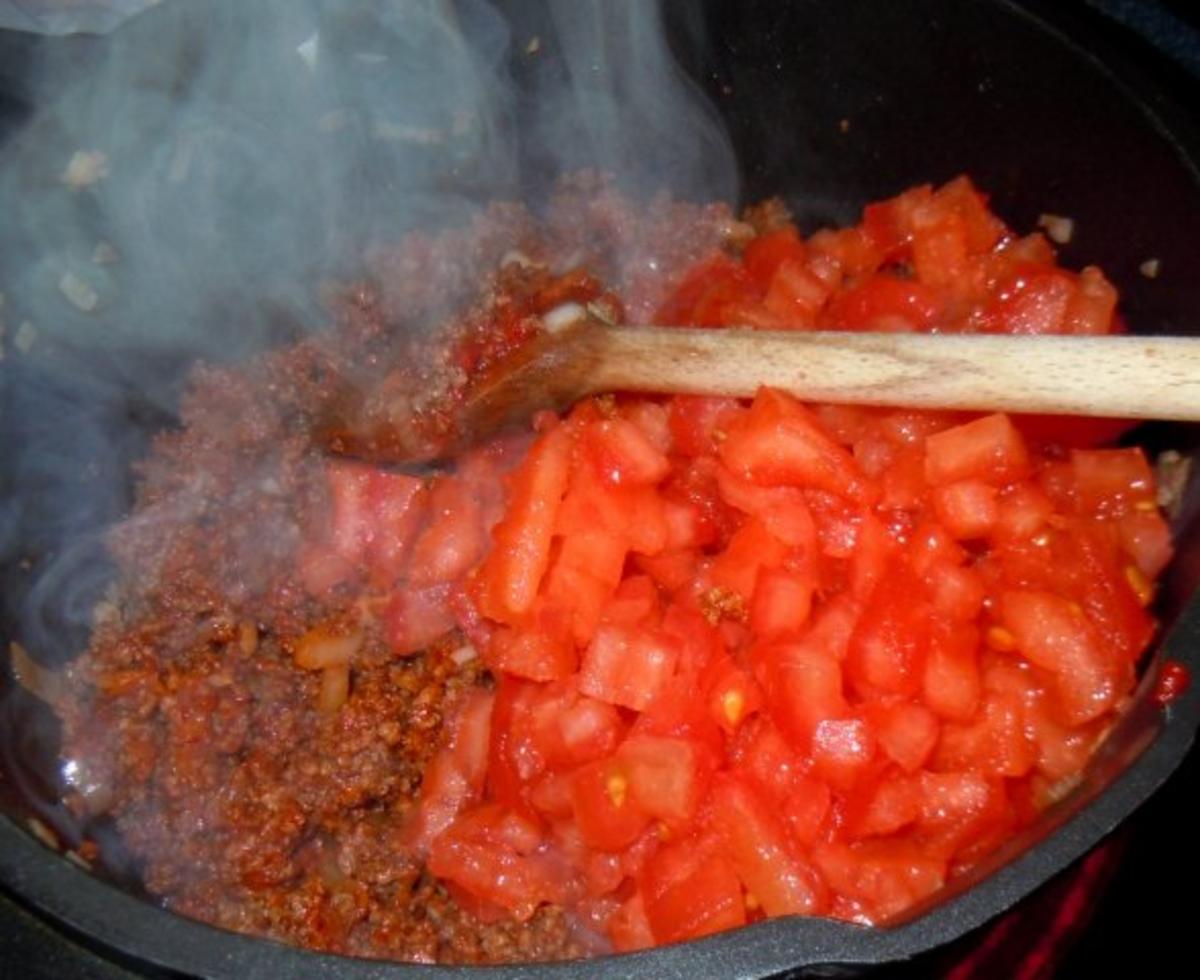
[(501, 713)]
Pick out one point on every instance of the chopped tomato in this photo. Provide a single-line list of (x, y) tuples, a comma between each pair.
[(757, 658), (628, 666), (769, 865), (510, 576), (988, 449), (780, 443), (690, 890)]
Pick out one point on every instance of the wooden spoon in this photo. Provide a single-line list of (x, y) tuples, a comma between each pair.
[(1123, 377)]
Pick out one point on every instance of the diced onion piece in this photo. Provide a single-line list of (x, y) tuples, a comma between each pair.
[(319, 648), (563, 316), (1059, 229), (464, 654), (335, 688)]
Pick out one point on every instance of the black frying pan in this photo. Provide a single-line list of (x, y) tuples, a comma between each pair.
[(1036, 105)]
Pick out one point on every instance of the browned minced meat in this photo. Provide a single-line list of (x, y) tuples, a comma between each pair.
[(187, 721)]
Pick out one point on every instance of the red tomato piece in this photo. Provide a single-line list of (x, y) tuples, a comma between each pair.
[(757, 844), (629, 928), (781, 443), (966, 508), (803, 685), (907, 733), (1055, 634), (806, 809), (1034, 300), (731, 693), (1146, 538), (751, 549), (628, 666), (951, 683), (796, 294), (885, 807), (622, 453), (842, 751), (540, 649), (690, 891), (1091, 308), (397, 506), (885, 303), (510, 576), (766, 253), (664, 775), (1110, 482), (887, 650), (989, 449), (782, 602), (957, 592), (885, 876), (486, 866), (606, 814), (696, 422)]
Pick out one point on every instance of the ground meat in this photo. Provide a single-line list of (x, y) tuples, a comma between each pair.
[(188, 722)]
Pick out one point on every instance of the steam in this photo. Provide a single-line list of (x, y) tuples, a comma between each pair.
[(186, 186)]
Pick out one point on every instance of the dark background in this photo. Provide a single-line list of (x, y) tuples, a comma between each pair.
[(1141, 918)]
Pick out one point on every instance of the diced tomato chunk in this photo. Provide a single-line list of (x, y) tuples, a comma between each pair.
[(665, 775), (606, 813), (760, 658), (966, 508), (1111, 481), (988, 449), (691, 891), (628, 666), (510, 576), (1054, 633), (758, 847), (623, 454), (886, 876), (780, 442)]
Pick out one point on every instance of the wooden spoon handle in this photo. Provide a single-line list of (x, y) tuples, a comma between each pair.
[(1125, 377)]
